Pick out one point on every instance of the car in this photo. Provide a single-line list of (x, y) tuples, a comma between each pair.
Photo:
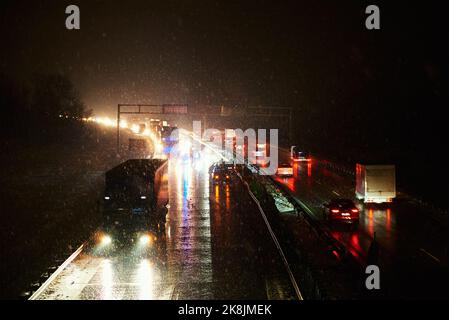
[(299, 156), (284, 170), (230, 167), (343, 210), (220, 173)]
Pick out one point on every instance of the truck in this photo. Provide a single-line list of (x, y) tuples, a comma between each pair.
[(138, 147), (169, 138), (136, 190), (296, 155), (169, 134), (375, 183)]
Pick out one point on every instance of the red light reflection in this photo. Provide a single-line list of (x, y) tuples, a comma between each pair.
[(290, 183), (371, 222), (388, 226), (295, 170)]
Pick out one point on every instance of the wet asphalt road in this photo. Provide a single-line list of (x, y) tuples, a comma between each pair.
[(214, 246), (414, 250)]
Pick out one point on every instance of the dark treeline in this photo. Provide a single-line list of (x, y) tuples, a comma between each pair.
[(36, 110)]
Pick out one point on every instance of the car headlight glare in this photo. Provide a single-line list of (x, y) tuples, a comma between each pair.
[(106, 239), (145, 239)]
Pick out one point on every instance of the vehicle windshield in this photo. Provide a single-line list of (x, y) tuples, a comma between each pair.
[(220, 169)]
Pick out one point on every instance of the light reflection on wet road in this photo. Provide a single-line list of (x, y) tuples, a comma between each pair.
[(214, 246), (409, 238)]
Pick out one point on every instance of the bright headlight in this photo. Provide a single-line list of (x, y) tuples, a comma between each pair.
[(105, 239), (145, 239)]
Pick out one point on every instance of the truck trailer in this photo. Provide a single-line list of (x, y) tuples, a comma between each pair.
[(375, 183), (138, 147), (137, 189)]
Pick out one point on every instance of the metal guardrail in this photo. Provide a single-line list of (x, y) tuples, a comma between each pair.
[(275, 240), (310, 219), (315, 225), (270, 230), (309, 283), (55, 274)]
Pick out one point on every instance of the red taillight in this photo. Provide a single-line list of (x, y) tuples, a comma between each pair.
[(355, 210), (335, 210), (216, 177)]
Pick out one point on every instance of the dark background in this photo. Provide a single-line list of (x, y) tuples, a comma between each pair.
[(359, 95)]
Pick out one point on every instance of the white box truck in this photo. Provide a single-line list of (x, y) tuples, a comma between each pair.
[(375, 183)]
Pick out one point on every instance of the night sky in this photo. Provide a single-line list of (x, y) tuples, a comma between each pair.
[(357, 94), (314, 54)]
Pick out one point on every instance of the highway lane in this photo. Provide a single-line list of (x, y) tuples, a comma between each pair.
[(414, 247), (214, 246)]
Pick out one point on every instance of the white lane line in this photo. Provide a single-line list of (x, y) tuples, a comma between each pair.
[(336, 193), (56, 273), (273, 236), (430, 255), (276, 242)]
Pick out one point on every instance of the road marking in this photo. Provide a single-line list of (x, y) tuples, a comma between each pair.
[(56, 273), (430, 255), (276, 242), (174, 294), (335, 192), (273, 236)]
